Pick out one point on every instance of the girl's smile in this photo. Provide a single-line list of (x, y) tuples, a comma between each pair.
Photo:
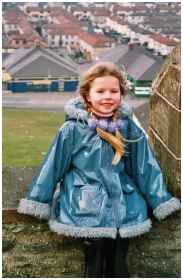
[(105, 95)]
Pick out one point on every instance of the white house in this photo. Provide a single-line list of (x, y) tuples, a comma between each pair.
[(138, 34), (92, 45), (53, 39), (120, 26), (135, 19), (161, 44), (100, 17), (36, 14), (11, 20)]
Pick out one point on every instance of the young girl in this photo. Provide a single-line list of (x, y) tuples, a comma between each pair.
[(107, 173)]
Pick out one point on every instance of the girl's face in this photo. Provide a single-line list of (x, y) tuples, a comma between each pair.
[(105, 95)]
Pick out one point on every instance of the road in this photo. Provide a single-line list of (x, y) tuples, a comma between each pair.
[(52, 100), (56, 101)]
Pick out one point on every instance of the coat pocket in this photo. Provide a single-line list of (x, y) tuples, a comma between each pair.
[(87, 200), (131, 208), (128, 186)]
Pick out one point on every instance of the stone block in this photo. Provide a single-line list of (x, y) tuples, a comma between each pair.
[(175, 55), (157, 252), (169, 85), (15, 181), (166, 122), (39, 253), (171, 167)]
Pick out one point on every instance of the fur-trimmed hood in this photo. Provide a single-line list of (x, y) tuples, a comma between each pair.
[(75, 109)]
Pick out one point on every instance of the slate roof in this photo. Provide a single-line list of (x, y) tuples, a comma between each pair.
[(15, 57), (5, 56), (113, 54), (139, 62), (37, 63), (152, 71), (139, 29), (139, 65)]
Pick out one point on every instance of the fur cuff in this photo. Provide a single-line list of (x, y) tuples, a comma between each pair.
[(128, 231), (166, 208), (88, 232), (34, 208)]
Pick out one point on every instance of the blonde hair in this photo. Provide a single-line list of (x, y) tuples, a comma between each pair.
[(102, 69)]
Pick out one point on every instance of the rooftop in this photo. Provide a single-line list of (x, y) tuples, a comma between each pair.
[(163, 40), (37, 63), (12, 16), (95, 40), (138, 62)]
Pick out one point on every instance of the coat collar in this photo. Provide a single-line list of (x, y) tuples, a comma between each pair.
[(75, 109)]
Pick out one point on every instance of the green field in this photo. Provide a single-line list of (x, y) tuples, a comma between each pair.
[(27, 135)]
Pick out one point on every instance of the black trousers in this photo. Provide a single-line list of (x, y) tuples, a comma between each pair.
[(106, 257)]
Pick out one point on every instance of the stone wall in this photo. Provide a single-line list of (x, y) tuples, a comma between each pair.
[(31, 250), (165, 120)]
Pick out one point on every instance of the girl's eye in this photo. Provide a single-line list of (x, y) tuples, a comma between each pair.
[(100, 91)]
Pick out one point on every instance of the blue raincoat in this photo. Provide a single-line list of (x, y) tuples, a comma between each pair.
[(82, 194)]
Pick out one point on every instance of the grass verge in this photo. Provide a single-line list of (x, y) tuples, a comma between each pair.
[(27, 135)]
